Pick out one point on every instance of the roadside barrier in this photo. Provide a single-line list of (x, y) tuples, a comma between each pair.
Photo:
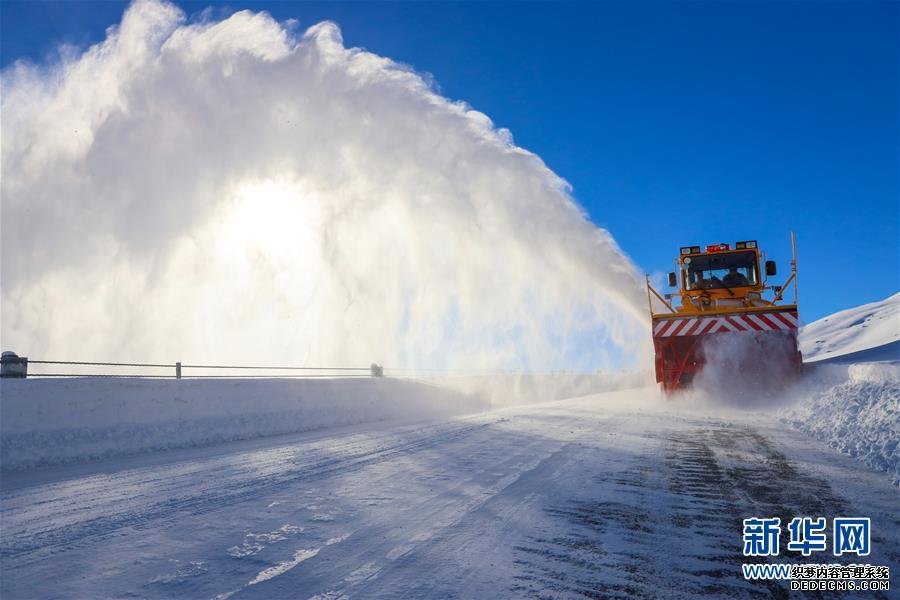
[(14, 366)]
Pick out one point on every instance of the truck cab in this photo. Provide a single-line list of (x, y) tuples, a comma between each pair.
[(720, 277)]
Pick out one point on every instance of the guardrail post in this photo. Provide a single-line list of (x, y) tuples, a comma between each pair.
[(178, 370), (14, 366), (376, 370)]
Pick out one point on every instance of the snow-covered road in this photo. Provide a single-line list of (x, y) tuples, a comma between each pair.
[(613, 495)]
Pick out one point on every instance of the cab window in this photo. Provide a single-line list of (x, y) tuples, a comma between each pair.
[(716, 271)]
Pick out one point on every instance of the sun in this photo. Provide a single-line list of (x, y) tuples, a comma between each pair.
[(279, 220)]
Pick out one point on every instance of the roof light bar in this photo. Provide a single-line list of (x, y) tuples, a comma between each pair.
[(746, 244)]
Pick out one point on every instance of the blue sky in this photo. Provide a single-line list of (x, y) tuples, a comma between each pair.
[(676, 123)]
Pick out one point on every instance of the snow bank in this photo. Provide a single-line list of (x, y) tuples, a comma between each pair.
[(46, 421), (856, 409), (872, 328)]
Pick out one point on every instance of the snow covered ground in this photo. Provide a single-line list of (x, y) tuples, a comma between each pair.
[(870, 332), (47, 421), (50, 421), (610, 495), (850, 397), (855, 409), (616, 494)]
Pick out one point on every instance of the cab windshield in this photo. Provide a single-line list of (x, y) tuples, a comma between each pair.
[(712, 271)]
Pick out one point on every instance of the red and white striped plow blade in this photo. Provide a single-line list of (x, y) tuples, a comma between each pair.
[(685, 326)]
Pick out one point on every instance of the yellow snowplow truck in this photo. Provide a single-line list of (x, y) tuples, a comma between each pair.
[(720, 293)]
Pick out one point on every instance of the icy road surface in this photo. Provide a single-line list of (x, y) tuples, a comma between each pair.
[(604, 496)]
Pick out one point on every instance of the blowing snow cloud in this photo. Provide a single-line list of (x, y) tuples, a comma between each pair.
[(222, 189)]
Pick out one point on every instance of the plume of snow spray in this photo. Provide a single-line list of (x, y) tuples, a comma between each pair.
[(748, 370), (233, 191)]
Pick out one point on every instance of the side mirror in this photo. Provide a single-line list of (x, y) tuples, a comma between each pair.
[(672, 281), (770, 268)]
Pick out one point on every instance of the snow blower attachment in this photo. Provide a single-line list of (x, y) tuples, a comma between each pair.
[(721, 294)]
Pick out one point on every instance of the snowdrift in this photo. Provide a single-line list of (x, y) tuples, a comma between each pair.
[(851, 397), (46, 421), (49, 421), (856, 410)]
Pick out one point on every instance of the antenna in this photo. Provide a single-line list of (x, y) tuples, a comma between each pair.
[(794, 264)]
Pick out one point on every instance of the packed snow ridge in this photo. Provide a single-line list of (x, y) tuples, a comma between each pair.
[(851, 397), (855, 409)]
